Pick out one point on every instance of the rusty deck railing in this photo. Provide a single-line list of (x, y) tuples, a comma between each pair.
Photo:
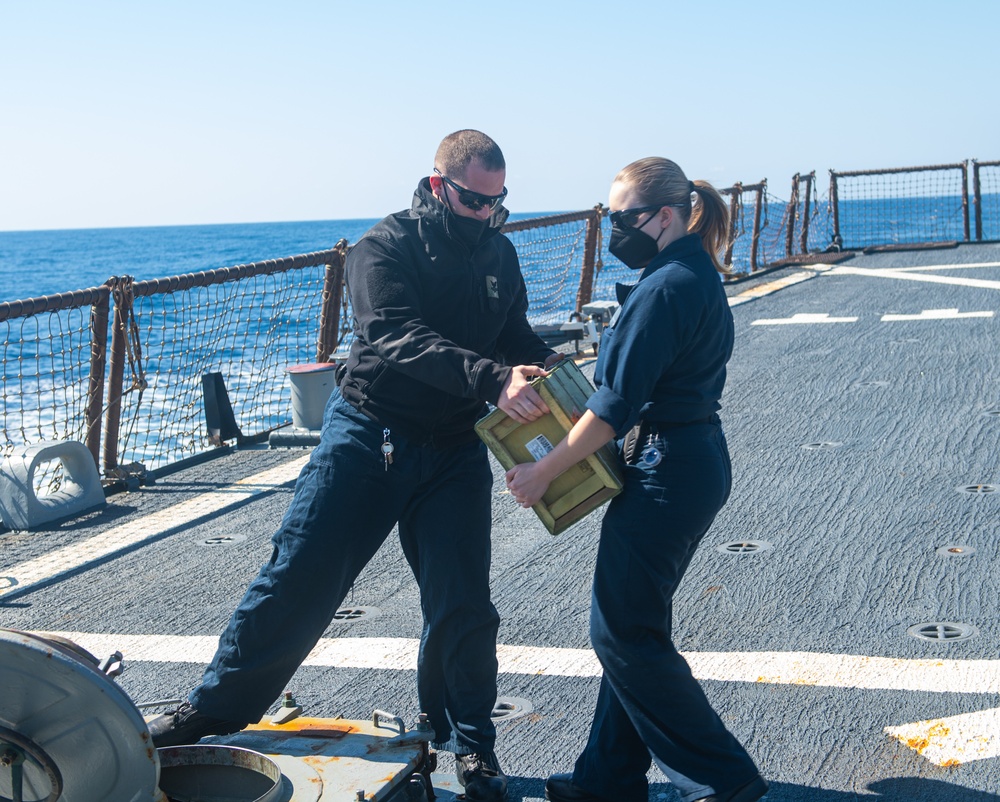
[(119, 367)]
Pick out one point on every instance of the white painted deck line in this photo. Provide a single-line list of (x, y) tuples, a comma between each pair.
[(71, 558), (773, 668), (936, 314), (944, 267), (803, 318), (953, 740), (899, 274)]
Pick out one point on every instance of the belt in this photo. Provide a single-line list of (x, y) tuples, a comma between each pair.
[(637, 436)]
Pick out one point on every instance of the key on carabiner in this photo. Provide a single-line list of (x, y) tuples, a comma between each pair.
[(387, 448)]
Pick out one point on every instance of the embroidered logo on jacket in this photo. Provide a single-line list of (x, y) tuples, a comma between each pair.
[(492, 287)]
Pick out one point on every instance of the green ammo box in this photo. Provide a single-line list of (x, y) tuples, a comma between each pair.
[(585, 486)]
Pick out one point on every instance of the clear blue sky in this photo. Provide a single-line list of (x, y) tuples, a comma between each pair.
[(134, 113)]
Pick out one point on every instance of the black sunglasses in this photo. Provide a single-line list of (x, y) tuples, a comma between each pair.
[(473, 200), (629, 217)]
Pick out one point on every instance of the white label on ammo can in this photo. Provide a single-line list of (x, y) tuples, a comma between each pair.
[(538, 447)]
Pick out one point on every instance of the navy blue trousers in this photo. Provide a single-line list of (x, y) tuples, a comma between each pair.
[(650, 707), (345, 505)]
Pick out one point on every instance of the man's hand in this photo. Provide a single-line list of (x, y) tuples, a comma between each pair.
[(518, 398)]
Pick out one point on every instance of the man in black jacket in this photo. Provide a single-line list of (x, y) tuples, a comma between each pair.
[(439, 318)]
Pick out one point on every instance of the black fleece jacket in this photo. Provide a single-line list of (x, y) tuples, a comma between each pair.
[(436, 323)]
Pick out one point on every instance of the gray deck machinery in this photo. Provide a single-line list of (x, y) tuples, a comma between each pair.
[(69, 733)]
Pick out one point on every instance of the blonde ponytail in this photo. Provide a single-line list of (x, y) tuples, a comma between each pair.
[(710, 221)]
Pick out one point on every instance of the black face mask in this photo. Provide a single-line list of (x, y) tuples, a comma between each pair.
[(467, 230), (633, 247)]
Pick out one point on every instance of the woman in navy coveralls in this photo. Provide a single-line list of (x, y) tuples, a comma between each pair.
[(659, 377)]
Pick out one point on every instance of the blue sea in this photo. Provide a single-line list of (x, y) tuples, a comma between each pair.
[(46, 373), (35, 263)]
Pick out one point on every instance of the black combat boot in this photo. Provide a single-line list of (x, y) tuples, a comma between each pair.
[(481, 777), (186, 725)]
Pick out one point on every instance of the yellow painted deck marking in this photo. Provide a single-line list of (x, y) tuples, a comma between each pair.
[(773, 286), (71, 558)]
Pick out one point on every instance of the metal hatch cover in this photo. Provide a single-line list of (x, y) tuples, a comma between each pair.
[(72, 716), (332, 758)]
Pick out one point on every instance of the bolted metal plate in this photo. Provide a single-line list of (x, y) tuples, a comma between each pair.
[(956, 551), (510, 707), (347, 615), (942, 631), (221, 540), (822, 445), (337, 757), (743, 546), (978, 490)]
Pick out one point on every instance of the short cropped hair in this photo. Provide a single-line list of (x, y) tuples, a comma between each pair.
[(458, 150)]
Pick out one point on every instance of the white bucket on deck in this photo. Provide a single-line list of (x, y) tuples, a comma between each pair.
[(311, 388)]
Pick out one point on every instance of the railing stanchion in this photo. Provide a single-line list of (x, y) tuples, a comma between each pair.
[(735, 201), (333, 298), (585, 292), (790, 212), (965, 198), (835, 208), (98, 363), (116, 378), (757, 209), (808, 178)]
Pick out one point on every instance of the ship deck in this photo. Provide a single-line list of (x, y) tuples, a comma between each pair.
[(863, 416)]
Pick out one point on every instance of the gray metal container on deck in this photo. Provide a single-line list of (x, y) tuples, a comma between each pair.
[(312, 385)]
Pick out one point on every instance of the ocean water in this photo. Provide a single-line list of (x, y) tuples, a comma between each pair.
[(35, 263), (44, 375), (46, 359)]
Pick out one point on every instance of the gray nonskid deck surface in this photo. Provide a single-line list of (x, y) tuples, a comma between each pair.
[(853, 530)]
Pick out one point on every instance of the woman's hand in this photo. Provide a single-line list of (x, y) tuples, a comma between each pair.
[(527, 483)]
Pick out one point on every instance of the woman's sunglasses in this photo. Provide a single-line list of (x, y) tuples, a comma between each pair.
[(473, 200), (627, 218)]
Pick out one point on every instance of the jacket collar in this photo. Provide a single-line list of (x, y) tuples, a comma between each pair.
[(428, 207), (676, 251)]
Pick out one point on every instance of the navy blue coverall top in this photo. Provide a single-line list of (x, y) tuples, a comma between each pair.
[(662, 361), (663, 357)]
